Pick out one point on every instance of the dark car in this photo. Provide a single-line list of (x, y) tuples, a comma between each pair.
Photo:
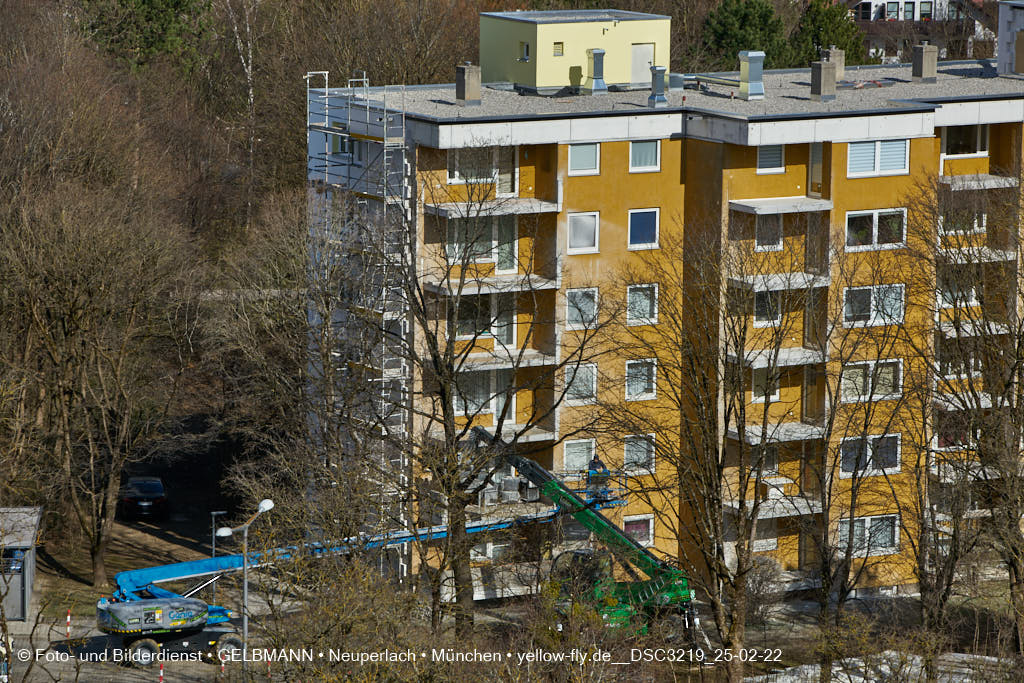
[(144, 497)]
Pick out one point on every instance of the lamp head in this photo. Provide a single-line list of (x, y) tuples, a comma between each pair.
[(224, 532), (265, 505)]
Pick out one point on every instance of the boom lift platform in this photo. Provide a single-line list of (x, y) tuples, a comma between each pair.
[(148, 618)]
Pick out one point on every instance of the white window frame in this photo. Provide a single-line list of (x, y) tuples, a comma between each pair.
[(975, 366), (773, 322), (771, 170), (775, 246), (979, 226), (877, 172), (876, 318), (645, 169), (593, 451), (875, 246), (492, 255), (487, 408), (983, 132), (649, 518), (634, 469), (570, 372), (757, 397), (492, 329), (869, 551), (657, 229), (495, 170), (945, 304), (569, 307), (596, 249), (597, 168), (654, 380), (868, 471), (558, 48), (653, 320), (871, 396)]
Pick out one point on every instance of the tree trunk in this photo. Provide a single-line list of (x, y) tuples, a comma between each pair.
[(460, 566), (99, 567), (1016, 571)]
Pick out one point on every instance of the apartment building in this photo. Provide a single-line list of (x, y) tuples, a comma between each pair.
[(959, 28), (530, 195)]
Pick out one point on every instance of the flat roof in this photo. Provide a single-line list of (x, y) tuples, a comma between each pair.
[(573, 15), (19, 526), (865, 90)]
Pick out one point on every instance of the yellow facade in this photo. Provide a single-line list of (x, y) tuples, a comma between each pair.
[(553, 54)]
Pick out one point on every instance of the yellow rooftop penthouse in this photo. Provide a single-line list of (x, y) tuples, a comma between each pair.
[(546, 52)]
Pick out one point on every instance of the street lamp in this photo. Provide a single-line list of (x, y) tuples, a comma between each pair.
[(214, 514), (265, 506)]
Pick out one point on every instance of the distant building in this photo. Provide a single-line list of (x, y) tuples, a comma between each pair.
[(961, 29)]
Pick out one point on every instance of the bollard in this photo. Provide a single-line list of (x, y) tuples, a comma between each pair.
[(161, 672), (68, 627)]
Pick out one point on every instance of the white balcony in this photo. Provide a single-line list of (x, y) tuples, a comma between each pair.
[(960, 256), (492, 284), (779, 433), (506, 206), (781, 506), (505, 357), (979, 181), (780, 358), (972, 328), (779, 205), (776, 282)]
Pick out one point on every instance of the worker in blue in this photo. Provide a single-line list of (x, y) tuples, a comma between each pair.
[(597, 475)]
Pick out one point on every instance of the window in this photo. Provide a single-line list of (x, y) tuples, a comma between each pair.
[(956, 431), (926, 11), (875, 229), (768, 456), (768, 233), (641, 379), (580, 307), (583, 233), (645, 156), (585, 159), (956, 362), (577, 455), (640, 528), (908, 11), (877, 305), (350, 149), (486, 238), (878, 157), (559, 49), (483, 165), (473, 393), (869, 456), (581, 383), (639, 453), (643, 228), (963, 141), (473, 317), (892, 11), (963, 222), (957, 289), (764, 385), (641, 304), (879, 380), (871, 535), (767, 308), (864, 11), (524, 52), (771, 159)]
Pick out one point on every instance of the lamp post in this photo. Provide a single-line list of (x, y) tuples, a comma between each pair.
[(265, 506), (214, 514)]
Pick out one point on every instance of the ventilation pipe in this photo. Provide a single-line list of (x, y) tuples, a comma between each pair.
[(594, 84), (751, 68), (834, 55), (823, 81), (657, 98), (467, 85), (925, 65)]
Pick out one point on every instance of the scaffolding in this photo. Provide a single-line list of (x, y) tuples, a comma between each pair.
[(356, 137)]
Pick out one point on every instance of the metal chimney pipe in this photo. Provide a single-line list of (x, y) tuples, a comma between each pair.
[(751, 68), (924, 68), (594, 84), (467, 85), (657, 98), (823, 81)]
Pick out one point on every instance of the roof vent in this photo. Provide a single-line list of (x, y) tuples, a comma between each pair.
[(834, 55), (657, 98), (594, 84), (924, 67), (467, 85), (823, 81), (751, 66)]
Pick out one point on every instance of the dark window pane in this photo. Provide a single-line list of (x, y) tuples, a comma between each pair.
[(858, 305), (643, 227), (884, 453), (858, 230), (961, 140), (890, 227)]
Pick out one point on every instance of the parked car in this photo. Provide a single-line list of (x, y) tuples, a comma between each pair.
[(144, 497)]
